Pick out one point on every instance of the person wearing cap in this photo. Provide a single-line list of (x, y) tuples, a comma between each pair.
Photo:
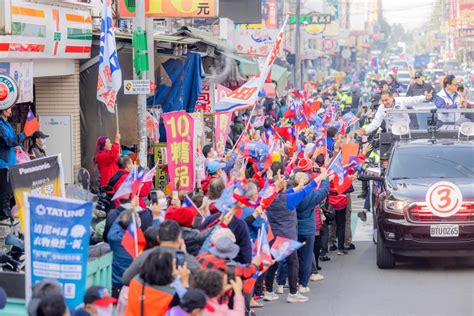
[(419, 87), (97, 302), (192, 303), (9, 140), (185, 217), (215, 169), (38, 149), (224, 250)]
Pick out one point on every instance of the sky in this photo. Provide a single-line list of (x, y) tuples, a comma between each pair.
[(410, 13)]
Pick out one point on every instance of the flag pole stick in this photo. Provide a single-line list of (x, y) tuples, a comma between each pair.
[(135, 234), (246, 127), (117, 118), (197, 208)]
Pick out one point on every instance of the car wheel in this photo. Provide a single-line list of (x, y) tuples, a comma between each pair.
[(385, 258)]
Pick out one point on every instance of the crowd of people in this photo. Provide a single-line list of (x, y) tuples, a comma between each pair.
[(200, 249)]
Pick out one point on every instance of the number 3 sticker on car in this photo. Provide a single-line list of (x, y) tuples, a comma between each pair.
[(444, 199)]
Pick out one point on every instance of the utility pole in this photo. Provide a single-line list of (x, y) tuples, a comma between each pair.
[(297, 46), (141, 99)]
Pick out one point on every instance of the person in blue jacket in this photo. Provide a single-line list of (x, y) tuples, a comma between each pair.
[(307, 230), (283, 220), (251, 215), (121, 259), (8, 141)]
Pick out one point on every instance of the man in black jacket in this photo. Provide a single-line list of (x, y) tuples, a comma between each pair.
[(420, 87)]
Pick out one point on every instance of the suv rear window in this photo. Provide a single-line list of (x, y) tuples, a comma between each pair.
[(444, 161)]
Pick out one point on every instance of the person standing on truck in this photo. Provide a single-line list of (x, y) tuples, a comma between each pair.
[(448, 99), (389, 103), (420, 87)]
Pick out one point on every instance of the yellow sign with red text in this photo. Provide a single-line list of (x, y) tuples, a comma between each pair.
[(171, 8)]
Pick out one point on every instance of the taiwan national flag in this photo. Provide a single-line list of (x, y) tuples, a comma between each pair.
[(301, 121), (288, 133), (337, 168), (133, 240), (31, 124), (262, 247), (283, 247), (267, 195), (290, 112), (350, 119), (322, 142), (131, 185), (227, 201)]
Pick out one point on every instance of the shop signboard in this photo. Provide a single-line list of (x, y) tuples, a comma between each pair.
[(171, 8), (44, 31), (256, 42), (57, 233)]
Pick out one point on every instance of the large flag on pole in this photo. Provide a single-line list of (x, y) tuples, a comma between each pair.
[(109, 81), (246, 95)]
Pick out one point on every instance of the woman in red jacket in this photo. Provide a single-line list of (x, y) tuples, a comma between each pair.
[(106, 157)]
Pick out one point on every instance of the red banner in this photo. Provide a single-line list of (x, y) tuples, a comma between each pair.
[(179, 144), (221, 122)]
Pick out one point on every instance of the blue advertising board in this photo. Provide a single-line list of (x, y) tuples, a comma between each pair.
[(57, 233)]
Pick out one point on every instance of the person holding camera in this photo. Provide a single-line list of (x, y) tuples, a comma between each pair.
[(216, 285), (158, 287)]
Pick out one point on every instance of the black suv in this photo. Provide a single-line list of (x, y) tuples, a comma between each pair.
[(404, 223)]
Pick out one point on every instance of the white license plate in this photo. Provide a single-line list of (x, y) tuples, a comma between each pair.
[(444, 230)]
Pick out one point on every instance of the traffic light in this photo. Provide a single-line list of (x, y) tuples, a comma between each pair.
[(140, 49)]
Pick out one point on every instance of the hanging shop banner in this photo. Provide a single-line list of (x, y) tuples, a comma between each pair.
[(57, 233), (171, 8), (161, 176), (255, 42), (22, 73), (205, 100), (42, 176), (179, 139), (43, 31), (221, 122)]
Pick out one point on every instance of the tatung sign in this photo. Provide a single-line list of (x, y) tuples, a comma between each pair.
[(172, 8)]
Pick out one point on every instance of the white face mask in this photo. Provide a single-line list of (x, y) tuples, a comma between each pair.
[(105, 311), (163, 203)]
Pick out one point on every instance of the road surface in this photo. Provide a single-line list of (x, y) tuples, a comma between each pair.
[(355, 286)]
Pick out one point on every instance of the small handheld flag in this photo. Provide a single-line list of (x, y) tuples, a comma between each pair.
[(133, 240), (31, 124), (283, 247)]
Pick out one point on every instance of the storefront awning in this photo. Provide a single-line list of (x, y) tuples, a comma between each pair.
[(247, 67)]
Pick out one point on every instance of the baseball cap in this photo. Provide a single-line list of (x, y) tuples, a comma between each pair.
[(418, 74), (39, 134), (99, 296), (194, 298), (382, 83), (215, 166)]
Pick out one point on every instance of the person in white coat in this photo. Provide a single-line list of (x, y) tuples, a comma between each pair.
[(389, 103)]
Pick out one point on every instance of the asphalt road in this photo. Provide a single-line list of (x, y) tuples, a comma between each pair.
[(354, 285)]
